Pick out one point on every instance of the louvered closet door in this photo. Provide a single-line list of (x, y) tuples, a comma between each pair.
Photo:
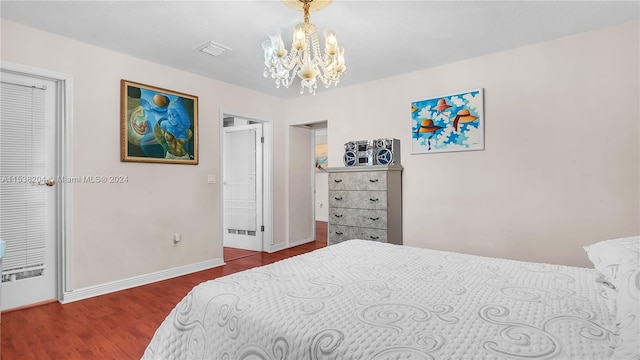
[(243, 187), (27, 203)]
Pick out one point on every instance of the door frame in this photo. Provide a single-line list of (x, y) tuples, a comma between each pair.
[(64, 168), (244, 241), (267, 178)]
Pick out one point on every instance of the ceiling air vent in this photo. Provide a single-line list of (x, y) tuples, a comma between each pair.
[(213, 49)]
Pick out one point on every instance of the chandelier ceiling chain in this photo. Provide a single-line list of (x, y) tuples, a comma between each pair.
[(305, 58)]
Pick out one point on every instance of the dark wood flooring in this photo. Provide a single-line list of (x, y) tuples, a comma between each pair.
[(117, 325), (230, 253)]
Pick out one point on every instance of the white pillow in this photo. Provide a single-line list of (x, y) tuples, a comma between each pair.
[(609, 255), (628, 312)]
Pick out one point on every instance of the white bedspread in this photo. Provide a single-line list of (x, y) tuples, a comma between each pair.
[(367, 300)]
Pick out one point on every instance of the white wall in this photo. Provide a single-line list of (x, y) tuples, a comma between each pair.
[(125, 230), (322, 196), (300, 190), (561, 160)]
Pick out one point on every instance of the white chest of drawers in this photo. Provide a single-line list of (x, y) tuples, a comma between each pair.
[(365, 202)]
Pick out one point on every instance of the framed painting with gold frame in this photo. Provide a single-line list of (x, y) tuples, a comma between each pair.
[(157, 125)]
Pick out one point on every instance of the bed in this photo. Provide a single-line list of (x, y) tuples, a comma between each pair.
[(367, 300)]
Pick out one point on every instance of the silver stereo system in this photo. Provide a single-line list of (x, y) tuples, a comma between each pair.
[(358, 153), (388, 152), (372, 152)]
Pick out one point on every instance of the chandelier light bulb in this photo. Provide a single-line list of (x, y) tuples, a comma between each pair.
[(299, 38), (277, 44), (268, 50), (331, 42), (340, 66), (305, 60)]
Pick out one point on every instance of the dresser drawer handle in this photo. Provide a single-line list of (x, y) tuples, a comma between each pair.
[(375, 218), (338, 198), (373, 180), (339, 233), (374, 200), (374, 237), (338, 180), (337, 215)]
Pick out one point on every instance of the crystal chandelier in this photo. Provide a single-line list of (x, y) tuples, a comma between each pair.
[(305, 58)]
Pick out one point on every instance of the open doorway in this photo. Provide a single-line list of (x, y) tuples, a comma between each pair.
[(245, 177), (321, 176)]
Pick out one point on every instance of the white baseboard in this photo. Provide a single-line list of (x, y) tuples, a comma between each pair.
[(325, 219), (282, 246), (277, 247), (106, 288), (96, 290), (300, 242)]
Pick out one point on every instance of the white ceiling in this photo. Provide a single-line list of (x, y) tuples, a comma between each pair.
[(381, 38)]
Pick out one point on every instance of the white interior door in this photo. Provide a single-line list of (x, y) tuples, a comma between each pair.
[(243, 187), (27, 192)]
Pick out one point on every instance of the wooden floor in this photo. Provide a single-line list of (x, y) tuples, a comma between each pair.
[(229, 253), (118, 325)]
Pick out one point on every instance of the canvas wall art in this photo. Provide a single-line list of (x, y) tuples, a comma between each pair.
[(448, 123), (157, 125)]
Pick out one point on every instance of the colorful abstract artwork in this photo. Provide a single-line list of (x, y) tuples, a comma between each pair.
[(157, 125), (448, 123), (321, 157)]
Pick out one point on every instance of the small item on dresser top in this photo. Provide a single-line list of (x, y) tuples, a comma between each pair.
[(384, 151)]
